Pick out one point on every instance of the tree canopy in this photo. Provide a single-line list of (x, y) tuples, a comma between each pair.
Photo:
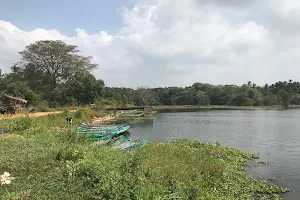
[(56, 60), (54, 73)]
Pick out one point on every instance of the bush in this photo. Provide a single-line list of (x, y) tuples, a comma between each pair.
[(85, 114), (70, 153), (17, 124), (43, 107)]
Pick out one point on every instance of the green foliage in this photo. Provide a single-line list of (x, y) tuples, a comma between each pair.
[(246, 95), (16, 125), (47, 65), (55, 164), (284, 96), (70, 154), (202, 99), (62, 169), (125, 119), (144, 96), (13, 196), (43, 106), (54, 72), (83, 87), (13, 85), (113, 96), (55, 60), (85, 114)]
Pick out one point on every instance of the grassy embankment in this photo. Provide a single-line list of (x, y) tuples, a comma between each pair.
[(50, 162), (124, 119)]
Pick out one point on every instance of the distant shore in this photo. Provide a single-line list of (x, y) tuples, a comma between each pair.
[(217, 107)]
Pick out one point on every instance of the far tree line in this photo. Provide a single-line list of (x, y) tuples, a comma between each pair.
[(52, 73)]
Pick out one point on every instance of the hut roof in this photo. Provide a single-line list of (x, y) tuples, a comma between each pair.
[(18, 99)]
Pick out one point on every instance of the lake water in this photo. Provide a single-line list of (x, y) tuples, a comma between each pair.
[(274, 134)]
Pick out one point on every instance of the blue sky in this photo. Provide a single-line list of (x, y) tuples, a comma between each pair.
[(65, 15)]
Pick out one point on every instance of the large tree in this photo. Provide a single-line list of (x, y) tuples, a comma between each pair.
[(84, 87), (55, 59), (48, 63), (284, 96), (144, 97), (13, 84)]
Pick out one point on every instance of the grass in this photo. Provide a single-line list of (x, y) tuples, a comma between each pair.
[(49, 164), (124, 119)]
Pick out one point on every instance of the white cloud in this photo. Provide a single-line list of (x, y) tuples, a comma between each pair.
[(177, 43), (286, 8)]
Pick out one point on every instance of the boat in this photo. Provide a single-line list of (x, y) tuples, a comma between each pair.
[(116, 141), (132, 144), (110, 142), (99, 134), (101, 138), (133, 113), (121, 127), (96, 137)]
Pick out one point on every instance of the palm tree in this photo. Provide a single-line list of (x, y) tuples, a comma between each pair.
[(249, 83), (266, 86)]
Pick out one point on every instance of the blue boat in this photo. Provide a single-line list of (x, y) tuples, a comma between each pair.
[(132, 144), (116, 141), (120, 127), (98, 133)]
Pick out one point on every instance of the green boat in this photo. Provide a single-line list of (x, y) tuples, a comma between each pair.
[(104, 138), (117, 141), (111, 142), (132, 144), (98, 133), (102, 129)]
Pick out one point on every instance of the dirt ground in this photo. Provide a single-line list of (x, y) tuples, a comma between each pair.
[(37, 114)]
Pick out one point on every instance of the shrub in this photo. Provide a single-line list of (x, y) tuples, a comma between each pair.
[(43, 106), (17, 124), (70, 153)]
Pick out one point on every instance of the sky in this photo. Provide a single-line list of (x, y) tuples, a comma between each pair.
[(162, 43)]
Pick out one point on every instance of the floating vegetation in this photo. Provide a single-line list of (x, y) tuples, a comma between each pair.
[(261, 162)]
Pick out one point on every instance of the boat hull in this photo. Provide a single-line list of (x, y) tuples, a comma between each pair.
[(131, 144)]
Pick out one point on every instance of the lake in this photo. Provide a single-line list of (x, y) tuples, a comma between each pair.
[(274, 134)]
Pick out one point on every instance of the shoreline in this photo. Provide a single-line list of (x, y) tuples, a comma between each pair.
[(215, 107)]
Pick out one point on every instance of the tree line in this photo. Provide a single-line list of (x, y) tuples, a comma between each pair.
[(53, 73), (203, 94)]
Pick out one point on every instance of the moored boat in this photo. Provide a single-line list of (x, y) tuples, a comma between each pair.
[(98, 134), (117, 141), (121, 127), (132, 144), (132, 113)]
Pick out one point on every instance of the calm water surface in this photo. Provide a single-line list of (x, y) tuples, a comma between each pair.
[(273, 134)]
